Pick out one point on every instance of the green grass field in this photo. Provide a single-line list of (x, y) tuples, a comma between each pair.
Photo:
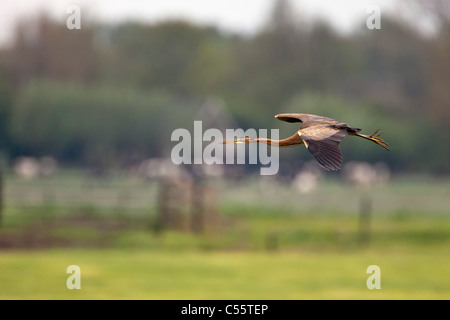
[(275, 244), (141, 274)]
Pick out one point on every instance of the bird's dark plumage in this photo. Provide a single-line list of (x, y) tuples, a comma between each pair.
[(323, 143)]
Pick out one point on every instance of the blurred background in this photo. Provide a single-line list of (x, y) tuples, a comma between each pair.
[(86, 117)]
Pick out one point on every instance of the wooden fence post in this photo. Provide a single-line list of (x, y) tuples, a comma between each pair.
[(197, 207), (173, 205)]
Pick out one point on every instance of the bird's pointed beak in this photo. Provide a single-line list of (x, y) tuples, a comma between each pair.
[(236, 141), (226, 142)]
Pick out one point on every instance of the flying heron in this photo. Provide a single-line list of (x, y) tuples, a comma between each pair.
[(321, 136)]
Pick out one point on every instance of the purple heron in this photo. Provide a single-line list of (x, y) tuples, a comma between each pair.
[(321, 136)]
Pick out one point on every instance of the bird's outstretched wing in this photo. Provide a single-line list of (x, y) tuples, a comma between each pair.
[(323, 142), (301, 117)]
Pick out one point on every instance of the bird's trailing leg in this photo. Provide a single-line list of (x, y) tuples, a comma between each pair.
[(375, 137)]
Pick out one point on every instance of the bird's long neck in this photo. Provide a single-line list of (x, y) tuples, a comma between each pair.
[(288, 142)]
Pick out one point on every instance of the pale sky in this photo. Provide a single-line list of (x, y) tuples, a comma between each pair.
[(242, 16)]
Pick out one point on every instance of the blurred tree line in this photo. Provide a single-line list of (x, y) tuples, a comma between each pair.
[(109, 95)]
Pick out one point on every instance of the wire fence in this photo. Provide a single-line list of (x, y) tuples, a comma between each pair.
[(164, 203)]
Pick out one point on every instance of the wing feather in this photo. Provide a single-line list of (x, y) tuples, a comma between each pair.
[(323, 142), (301, 117)]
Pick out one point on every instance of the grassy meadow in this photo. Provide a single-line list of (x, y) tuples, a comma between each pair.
[(143, 274), (273, 242)]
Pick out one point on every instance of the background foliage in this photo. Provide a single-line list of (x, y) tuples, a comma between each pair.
[(107, 93)]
